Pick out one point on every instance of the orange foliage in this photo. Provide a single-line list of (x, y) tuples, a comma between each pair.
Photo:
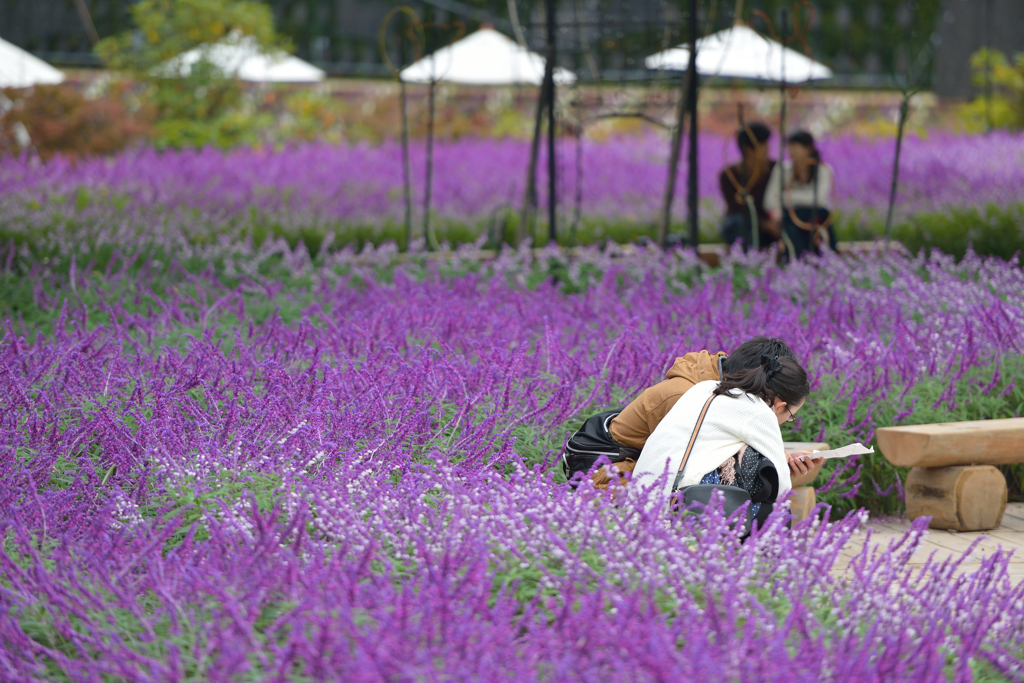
[(59, 119)]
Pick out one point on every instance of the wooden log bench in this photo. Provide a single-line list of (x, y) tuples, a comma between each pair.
[(952, 478), (802, 503)]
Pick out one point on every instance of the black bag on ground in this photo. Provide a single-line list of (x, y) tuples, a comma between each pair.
[(697, 497), (591, 442)]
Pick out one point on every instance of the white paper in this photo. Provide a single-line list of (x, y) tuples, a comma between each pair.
[(844, 452)]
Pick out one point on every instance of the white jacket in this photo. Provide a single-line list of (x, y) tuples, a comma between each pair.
[(798, 194), (729, 423)]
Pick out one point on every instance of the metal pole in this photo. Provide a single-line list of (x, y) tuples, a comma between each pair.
[(904, 107), (427, 228), (90, 28), (549, 73), (782, 119), (692, 103), (406, 170), (673, 162), (986, 18), (529, 211)]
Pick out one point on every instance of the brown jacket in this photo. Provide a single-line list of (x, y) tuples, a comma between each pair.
[(635, 423)]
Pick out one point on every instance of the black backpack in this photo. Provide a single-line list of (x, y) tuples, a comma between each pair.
[(591, 442)]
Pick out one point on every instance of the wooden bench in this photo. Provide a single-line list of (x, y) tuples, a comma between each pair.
[(802, 503), (952, 478)]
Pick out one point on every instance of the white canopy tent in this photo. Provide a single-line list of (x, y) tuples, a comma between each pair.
[(19, 69), (485, 57), (741, 52), (244, 59)]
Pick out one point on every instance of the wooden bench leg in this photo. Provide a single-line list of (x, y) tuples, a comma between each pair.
[(970, 498), (802, 503)]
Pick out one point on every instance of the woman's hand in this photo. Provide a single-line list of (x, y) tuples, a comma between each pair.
[(803, 472)]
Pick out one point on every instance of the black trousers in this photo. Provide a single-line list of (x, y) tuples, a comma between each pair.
[(737, 226), (804, 241)]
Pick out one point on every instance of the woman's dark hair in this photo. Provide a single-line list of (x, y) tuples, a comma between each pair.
[(758, 130), (802, 137), (747, 355), (775, 377)]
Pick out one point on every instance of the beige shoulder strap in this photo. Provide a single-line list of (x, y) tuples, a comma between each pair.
[(693, 437)]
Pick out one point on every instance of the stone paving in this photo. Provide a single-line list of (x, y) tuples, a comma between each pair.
[(1009, 536)]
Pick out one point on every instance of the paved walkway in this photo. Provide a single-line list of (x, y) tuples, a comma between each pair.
[(1010, 536)]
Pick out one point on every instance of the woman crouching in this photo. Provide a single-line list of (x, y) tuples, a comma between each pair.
[(738, 440)]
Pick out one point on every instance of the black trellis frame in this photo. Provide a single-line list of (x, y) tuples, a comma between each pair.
[(567, 36)]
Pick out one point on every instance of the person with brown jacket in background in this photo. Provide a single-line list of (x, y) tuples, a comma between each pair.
[(637, 421)]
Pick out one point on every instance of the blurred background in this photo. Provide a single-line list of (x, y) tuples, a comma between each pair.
[(106, 47), (91, 79)]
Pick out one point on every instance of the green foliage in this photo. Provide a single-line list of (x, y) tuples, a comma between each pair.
[(203, 106), (312, 115), (1004, 107), (166, 28), (186, 503), (202, 95), (225, 131), (975, 397), (989, 231)]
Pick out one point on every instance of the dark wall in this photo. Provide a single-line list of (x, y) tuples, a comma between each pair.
[(862, 40), (53, 27), (967, 25)]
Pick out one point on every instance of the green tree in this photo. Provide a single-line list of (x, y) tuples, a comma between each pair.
[(1001, 103), (164, 29), (202, 106)]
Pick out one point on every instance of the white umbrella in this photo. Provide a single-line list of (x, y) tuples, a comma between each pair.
[(244, 59), (741, 52), (485, 57), (19, 69)]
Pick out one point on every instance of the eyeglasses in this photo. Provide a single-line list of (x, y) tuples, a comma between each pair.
[(790, 418)]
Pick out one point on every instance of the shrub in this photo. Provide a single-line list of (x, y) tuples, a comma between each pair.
[(203, 107), (60, 120), (165, 28), (1004, 107), (990, 230)]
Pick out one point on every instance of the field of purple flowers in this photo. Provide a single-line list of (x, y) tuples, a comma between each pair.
[(248, 464), (347, 189)]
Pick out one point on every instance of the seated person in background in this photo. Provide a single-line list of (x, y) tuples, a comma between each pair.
[(739, 442), (804, 186), (638, 420), (743, 186)]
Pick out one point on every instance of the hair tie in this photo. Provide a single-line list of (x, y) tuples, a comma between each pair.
[(770, 364)]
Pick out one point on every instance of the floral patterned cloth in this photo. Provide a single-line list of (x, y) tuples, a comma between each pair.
[(746, 475)]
